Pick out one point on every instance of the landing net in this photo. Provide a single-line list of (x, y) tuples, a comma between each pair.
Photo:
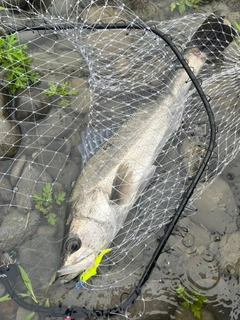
[(74, 88)]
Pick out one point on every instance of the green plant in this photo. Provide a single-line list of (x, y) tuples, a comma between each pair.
[(181, 5), (63, 90), (30, 293), (237, 25), (44, 202), (16, 63), (191, 300)]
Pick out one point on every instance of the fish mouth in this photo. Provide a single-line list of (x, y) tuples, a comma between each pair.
[(83, 262)]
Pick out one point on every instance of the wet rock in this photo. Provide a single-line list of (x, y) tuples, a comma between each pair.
[(17, 168), (2, 289), (206, 315), (17, 227), (8, 309), (230, 253), (6, 193), (182, 313), (10, 3), (216, 210), (32, 180), (39, 257), (56, 132), (46, 231), (4, 212), (59, 166), (31, 105), (10, 134), (104, 14), (148, 10), (23, 313), (192, 152), (196, 239), (154, 304), (84, 97), (66, 56)]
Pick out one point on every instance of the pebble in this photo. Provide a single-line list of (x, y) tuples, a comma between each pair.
[(216, 210), (197, 239), (230, 253), (17, 227), (201, 273), (183, 313)]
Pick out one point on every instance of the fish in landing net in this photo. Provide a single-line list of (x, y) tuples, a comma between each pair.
[(116, 175)]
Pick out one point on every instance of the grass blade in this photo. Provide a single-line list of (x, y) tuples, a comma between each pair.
[(29, 316), (5, 298), (27, 283)]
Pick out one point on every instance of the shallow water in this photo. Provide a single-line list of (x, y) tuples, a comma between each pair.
[(193, 256)]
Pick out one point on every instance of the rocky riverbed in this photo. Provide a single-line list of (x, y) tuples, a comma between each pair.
[(39, 145)]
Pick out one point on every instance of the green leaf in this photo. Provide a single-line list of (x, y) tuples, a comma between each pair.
[(47, 193), (237, 25), (29, 316), (51, 218), (47, 303), (59, 197), (181, 8), (189, 3), (27, 282), (5, 298), (52, 90), (172, 6), (37, 197), (64, 102), (185, 304)]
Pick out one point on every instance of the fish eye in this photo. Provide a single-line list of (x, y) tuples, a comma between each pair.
[(73, 244)]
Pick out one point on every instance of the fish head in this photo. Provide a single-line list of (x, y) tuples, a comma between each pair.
[(91, 230)]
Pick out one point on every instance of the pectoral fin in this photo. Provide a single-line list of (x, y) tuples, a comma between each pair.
[(122, 185), (124, 189)]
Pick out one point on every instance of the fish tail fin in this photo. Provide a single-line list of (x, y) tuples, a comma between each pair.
[(213, 36)]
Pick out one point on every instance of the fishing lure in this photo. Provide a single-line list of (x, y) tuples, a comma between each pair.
[(87, 274)]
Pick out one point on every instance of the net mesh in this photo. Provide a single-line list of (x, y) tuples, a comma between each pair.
[(88, 83)]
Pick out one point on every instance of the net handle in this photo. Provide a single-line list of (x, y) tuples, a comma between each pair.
[(81, 312)]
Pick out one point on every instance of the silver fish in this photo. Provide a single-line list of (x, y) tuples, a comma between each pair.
[(116, 175)]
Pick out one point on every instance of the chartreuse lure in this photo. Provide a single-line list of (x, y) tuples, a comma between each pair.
[(87, 274)]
